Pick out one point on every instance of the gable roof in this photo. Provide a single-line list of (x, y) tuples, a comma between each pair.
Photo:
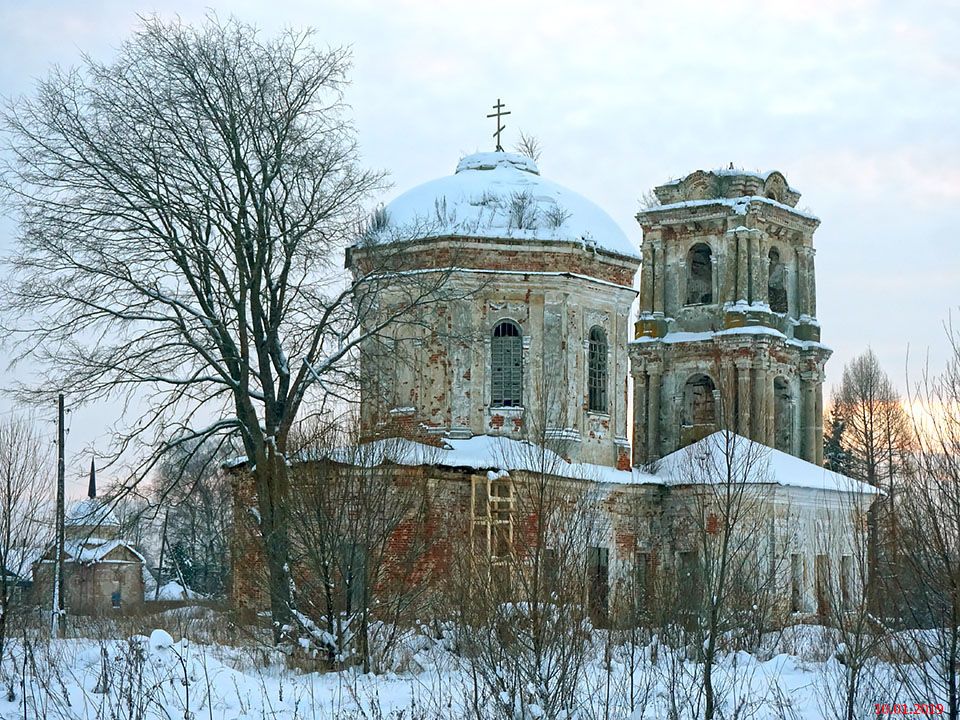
[(89, 551), (711, 458)]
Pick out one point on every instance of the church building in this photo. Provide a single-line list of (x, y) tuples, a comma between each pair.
[(538, 338)]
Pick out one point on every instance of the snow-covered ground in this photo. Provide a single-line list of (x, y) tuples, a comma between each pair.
[(154, 675)]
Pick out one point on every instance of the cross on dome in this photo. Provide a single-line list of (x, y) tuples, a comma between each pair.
[(500, 128)]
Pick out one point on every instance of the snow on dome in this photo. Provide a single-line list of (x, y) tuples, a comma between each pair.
[(501, 195)]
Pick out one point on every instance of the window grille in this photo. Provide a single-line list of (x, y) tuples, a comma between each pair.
[(597, 371), (506, 365)]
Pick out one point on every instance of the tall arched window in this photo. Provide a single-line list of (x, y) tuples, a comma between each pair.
[(699, 275), (777, 283), (597, 370), (506, 365), (698, 401)]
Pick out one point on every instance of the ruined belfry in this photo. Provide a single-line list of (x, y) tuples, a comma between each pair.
[(727, 335)]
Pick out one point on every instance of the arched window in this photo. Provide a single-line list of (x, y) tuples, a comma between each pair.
[(698, 401), (597, 370), (777, 283), (506, 365), (699, 275)]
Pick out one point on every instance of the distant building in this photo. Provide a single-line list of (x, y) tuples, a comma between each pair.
[(102, 572)]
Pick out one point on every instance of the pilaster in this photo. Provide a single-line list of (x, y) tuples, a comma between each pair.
[(640, 438), (760, 417), (762, 274), (754, 241), (660, 266), (743, 266), (653, 412), (646, 278), (743, 398)]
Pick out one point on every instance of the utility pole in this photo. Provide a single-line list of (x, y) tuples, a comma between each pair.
[(56, 626)]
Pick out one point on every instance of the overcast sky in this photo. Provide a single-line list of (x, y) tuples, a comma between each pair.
[(856, 102)]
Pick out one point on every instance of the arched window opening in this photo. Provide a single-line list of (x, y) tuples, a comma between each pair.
[(777, 283), (699, 275), (782, 415), (506, 365), (699, 405), (597, 370)]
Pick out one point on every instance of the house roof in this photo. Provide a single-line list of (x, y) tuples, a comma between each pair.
[(702, 462), (723, 455), (89, 551)]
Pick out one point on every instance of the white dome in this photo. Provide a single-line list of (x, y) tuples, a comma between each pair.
[(501, 195)]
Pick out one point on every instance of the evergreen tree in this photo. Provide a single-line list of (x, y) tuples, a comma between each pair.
[(836, 457)]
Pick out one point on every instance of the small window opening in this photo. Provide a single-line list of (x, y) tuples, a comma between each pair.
[(776, 284), (699, 275), (699, 404)]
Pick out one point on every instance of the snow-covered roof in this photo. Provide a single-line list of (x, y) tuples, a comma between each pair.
[(737, 205), (483, 452), (502, 195), (91, 512), (89, 551), (749, 461), (20, 560), (497, 454)]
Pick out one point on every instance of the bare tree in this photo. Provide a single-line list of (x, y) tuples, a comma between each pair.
[(193, 497), (25, 481), (852, 676), (359, 579), (932, 537), (183, 213), (733, 563), (529, 145), (876, 438), (527, 592)]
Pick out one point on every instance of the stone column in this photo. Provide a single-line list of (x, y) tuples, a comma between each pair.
[(680, 284), (788, 273), (770, 408), (760, 419), (728, 267), (571, 375), (818, 421), (743, 398), (725, 397), (653, 413), (755, 267), (743, 266), (660, 265), (808, 423), (640, 417), (803, 294), (646, 278), (715, 277), (812, 285), (762, 275)]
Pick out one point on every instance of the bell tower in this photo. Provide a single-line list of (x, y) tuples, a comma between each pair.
[(727, 334)]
